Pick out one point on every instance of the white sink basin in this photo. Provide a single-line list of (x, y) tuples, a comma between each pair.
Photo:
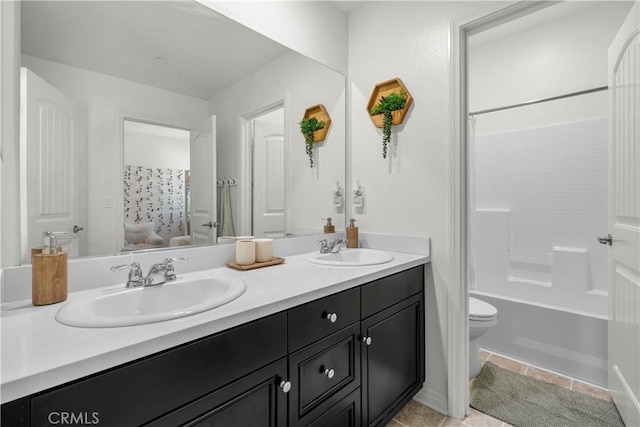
[(149, 304), (351, 257)]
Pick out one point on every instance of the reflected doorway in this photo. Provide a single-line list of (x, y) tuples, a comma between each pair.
[(156, 192), (268, 165)]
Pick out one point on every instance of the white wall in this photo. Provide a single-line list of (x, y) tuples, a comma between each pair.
[(155, 151), (316, 29), (103, 97), (305, 83), (408, 194), (9, 133), (562, 56)]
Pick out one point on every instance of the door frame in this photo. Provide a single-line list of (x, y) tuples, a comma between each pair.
[(475, 21), (245, 160), (133, 116)]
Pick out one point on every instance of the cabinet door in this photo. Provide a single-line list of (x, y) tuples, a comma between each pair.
[(392, 359), (257, 400), (344, 414)]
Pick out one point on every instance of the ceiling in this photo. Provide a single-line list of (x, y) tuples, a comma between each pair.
[(182, 47), (554, 12), (348, 6)]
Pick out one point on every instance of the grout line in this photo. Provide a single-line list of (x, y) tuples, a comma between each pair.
[(396, 420)]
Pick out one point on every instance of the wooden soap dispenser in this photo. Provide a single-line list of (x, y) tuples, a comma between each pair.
[(48, 272), (328, 227), (352, 234)]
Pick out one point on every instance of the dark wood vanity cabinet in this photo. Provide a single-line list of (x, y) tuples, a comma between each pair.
[(393, 344), (349, 359), (392, 360)]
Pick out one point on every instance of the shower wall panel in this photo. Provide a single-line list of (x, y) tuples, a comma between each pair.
[(540, 204)]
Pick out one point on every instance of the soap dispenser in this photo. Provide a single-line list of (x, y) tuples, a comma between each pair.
[(328, 227), (352, 234)]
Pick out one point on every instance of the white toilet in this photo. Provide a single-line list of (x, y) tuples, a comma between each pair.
[(482, 316)]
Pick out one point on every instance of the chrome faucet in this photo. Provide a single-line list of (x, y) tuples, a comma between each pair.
[(333, 247), (158, 273)]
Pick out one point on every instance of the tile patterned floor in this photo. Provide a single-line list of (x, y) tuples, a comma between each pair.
[(414, 414)]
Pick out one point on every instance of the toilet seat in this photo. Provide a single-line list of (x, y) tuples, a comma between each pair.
[(481, 311)]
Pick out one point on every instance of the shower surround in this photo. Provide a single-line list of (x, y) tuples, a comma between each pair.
[(541, 201)]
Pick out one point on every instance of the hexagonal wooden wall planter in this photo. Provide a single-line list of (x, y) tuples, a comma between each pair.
[(384, 89), (320, 113)]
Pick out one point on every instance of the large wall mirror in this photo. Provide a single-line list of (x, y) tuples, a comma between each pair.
[(100, 80)]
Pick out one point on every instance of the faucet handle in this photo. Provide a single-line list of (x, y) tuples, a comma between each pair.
[(169, 272), (134, 266), (135, 273)]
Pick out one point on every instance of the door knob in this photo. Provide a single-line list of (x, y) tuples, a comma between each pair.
[(329, 373), (210, 224), (367, 340), (77, 229), (606, 240)]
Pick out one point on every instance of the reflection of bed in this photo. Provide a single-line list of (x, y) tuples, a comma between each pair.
[(141, 236), (180, 241)]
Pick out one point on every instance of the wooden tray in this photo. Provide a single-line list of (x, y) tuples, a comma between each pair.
[(275, 261)]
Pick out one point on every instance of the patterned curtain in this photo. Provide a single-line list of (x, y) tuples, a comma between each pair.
[(157, 195)]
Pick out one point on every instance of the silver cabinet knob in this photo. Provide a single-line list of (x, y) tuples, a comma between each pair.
[(329, 373), (331, 317), (367, 340), (285, 386)]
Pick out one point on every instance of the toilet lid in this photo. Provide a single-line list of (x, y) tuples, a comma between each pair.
[(479, 309)]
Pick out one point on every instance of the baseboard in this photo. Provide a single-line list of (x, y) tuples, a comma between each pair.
[(433, 400)]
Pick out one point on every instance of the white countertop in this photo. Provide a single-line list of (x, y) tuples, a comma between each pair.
[(39, 353)]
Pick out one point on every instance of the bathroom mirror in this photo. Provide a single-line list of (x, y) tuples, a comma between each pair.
[(180, 65)]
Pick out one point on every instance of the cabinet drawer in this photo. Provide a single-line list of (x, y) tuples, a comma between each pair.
[(382, 293), (310, 322), (324, 373), (145, 389)]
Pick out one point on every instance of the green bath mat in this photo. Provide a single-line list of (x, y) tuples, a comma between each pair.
[(523, 401)]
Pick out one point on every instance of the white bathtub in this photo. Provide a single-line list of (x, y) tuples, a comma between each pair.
[(563, 341)]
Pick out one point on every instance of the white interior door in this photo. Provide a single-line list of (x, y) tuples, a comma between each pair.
[(52, 179), (268, 185), (203, 182), (624, 220)]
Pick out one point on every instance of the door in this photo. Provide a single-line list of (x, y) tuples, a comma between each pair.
[(256, 400), (269, 166), (624, 220), (51, 172), (202, 183), (268, 186)]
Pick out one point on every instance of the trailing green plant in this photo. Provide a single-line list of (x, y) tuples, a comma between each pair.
[(308, 126), (392, 102)]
